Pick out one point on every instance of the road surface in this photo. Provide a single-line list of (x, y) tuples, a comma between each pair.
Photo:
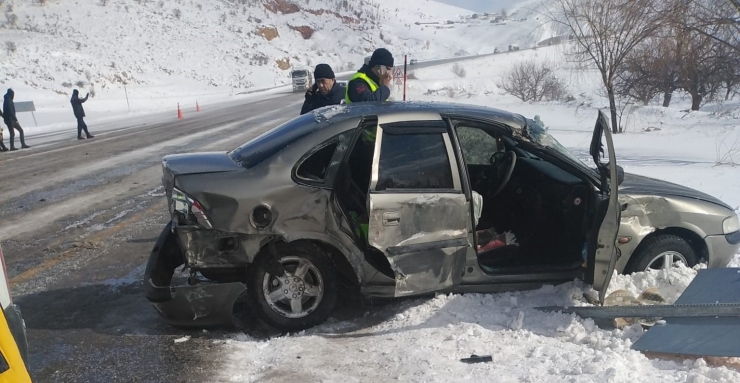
[(77, 222)]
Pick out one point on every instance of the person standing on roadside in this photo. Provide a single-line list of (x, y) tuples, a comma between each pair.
[(79, 112), (325, 90), (2, 144), (11, 121), (372, 82)]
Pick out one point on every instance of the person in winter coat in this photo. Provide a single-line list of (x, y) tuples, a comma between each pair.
[(372, 81), (325, 90), (80, 114), (2, 144), (11, 121)]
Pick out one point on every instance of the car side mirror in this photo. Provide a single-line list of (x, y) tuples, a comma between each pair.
[(620, 175)]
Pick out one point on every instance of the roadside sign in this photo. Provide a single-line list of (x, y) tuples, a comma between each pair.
[(26, 106), (398, 72)]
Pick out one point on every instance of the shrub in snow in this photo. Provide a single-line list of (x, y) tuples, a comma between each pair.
[(458, 70), (11, 17), (533, 81), (10, 46), (177, 13)]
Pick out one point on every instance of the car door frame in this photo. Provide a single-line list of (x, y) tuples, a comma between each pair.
[(427, 260), (603, 251)]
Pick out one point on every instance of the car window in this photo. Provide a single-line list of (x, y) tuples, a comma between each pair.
[(414, 161), (263, 147), (315, 166), (477, 145)]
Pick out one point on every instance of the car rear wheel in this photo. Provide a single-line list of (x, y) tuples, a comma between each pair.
[(661, 252), (303, 297)]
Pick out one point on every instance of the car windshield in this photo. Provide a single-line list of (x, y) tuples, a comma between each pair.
[(275, 140), (300, 73), (540, 136)]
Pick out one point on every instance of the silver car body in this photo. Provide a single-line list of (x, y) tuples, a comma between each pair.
[(425, 252)]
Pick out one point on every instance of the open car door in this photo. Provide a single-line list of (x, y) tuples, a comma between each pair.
[(419, 217), (602, 250)]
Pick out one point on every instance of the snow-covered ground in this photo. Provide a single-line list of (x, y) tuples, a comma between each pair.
[(186, 51), (209, 49), (422, 340)]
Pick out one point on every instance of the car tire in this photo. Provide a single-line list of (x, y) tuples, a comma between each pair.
[(272, 298), (653, 251)]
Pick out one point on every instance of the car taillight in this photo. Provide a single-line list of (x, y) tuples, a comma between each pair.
[(189, 208), (5, 276)]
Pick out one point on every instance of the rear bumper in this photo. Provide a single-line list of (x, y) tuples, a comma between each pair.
[(202, 305), (722, 249), (199, 306)]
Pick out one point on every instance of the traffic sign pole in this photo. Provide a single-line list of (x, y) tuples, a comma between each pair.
[(405, 60)]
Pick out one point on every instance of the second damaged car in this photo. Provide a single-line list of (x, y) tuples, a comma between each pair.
[(404, 199)]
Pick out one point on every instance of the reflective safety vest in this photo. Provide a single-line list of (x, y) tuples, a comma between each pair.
[(364, 77)]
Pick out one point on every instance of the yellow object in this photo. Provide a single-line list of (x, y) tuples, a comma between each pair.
[(364, 77), (17, 372)]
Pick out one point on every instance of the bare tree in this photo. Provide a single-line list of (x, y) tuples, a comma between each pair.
[(718, 20), (652, 68), (702, 58), (605, 32), (636, 79), (532, 81), (700, 69)]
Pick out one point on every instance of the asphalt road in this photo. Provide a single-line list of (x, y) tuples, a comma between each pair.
[(77, 222)]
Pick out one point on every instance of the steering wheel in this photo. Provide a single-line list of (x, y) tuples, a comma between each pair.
[(504, 163)]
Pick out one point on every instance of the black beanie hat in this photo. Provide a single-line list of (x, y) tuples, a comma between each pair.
[(381, 56), (323, 71)]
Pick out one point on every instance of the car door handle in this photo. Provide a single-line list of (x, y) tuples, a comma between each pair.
[(391, 218)]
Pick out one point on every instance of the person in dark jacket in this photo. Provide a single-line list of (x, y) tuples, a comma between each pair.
[(11, 121), (2, 144), (372, 81), (80, 114), (325, 90)]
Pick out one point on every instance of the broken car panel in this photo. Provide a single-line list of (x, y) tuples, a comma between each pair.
[(402, 199)]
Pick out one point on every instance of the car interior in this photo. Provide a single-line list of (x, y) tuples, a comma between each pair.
[(538, 212), (542, 209), (352, 186)]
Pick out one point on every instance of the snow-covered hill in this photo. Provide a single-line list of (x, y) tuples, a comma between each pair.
[(99, 44), (183, 51)]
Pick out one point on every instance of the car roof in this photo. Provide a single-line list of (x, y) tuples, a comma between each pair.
[(334, 117), (337, 113)]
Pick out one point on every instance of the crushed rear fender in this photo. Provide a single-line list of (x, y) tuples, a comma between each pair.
[(202, 305)]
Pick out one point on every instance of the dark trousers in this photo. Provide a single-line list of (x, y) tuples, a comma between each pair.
[(12, 127), (82, 126)]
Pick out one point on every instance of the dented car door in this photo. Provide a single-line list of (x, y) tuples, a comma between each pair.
[(603, 252), (419, 216)]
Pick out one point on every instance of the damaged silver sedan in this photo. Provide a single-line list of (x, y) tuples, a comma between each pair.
[(404, 199)]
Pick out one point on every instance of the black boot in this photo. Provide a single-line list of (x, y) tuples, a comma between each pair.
[(80, 138), (90, 136)]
